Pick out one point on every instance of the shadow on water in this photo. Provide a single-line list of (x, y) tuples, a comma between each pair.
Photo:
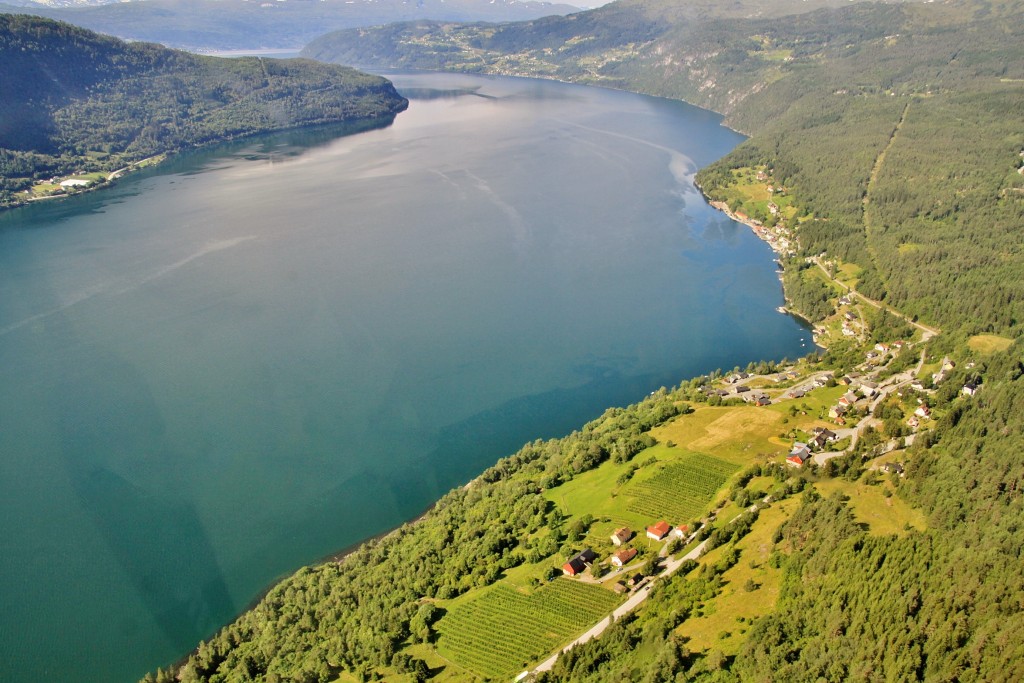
[(443, 94), (142, 510)]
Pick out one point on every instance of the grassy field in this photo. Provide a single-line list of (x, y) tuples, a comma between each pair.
[(738, 434), (849, 274), (882, 514), (724, 619), (503, 631), (749, 195), (987, 344)]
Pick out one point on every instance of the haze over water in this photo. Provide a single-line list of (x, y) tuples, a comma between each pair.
[(253, 357)]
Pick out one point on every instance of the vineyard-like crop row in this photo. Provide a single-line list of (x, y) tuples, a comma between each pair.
[(681, 491), (503, 631)]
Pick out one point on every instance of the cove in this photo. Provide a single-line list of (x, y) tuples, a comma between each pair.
[(253, 356)]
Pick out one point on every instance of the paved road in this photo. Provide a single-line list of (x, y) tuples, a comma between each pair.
[(638, 596), (926, 332)]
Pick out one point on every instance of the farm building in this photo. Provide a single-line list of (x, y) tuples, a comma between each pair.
[(579, 562), (658, 531), (799, 455)]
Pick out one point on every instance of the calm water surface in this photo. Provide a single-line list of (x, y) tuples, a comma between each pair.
[(252, 357)]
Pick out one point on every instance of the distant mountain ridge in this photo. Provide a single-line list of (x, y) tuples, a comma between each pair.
[(267, 24)]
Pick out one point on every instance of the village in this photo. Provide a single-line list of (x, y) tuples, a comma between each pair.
[(712, 486)]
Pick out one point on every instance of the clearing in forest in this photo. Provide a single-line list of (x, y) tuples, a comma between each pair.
[(987, 344)]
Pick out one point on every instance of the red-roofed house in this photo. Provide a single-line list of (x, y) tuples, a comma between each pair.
[(658, 531), (579, 562)]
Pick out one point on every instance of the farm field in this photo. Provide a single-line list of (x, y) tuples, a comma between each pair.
[(682, 490), (736, 434), (503, 631)]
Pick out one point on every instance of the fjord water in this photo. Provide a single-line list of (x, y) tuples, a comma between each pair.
[(252, 357)]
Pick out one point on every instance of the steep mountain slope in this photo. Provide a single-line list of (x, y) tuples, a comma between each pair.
[(72, 99)]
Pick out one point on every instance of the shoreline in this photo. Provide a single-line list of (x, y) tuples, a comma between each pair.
[(759, 231), (344, 553)]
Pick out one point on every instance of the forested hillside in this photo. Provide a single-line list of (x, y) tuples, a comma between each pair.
[(72, 100), (939, 89), (889, 140)]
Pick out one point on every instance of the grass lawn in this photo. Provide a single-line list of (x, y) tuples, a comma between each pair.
[(987, 344)]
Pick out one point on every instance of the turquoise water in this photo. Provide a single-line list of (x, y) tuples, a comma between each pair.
[(255, 356)]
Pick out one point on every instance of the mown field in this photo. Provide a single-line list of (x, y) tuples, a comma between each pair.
[(503, 631)]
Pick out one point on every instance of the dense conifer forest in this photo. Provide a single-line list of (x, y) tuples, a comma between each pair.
[(72, 101)]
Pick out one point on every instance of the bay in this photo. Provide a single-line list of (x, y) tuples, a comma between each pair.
[(256, 355)]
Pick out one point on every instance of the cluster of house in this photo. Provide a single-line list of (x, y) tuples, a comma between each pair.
[(850, 322), (801, 452), (758, 398), (659, 531)]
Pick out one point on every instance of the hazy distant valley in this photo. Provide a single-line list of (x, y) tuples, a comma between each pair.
[(279, 24)]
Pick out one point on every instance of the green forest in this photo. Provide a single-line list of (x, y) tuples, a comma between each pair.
[(895, 133), (72, 101)]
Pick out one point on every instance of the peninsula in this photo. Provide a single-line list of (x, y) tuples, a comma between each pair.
[(79, 109)]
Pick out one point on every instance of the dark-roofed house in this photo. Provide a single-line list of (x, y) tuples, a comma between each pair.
[(623, 557), (823, 438), (579, 562), (658, 531)]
